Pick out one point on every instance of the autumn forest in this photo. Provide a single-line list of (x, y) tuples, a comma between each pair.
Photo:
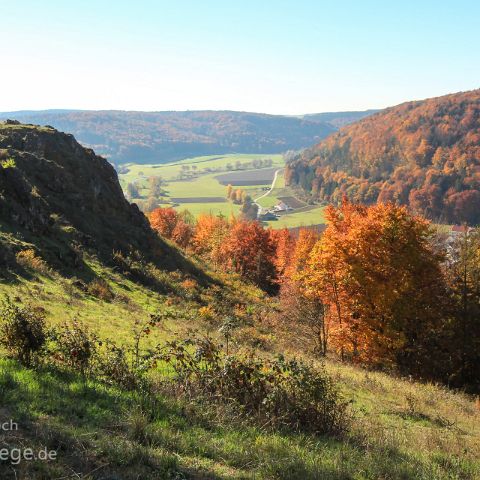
[(423, 154)]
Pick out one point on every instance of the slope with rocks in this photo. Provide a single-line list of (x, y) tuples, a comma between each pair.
[(64, 199)]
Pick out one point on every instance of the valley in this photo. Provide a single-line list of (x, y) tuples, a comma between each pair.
[(209, 347), (199, 185)]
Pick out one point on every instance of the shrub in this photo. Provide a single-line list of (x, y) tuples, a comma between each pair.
[(76, 346), (114, 367), (207, 312), (22, 331), (100, 289), (278, 392), (136, 267), (8, 163), (29, 259)]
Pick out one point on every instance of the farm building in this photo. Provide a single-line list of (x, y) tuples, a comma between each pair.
[(282, 207)]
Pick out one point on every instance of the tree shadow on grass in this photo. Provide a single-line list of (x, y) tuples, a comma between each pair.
[(98, 434)]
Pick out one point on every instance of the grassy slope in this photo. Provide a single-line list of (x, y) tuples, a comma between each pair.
[(100, 429), (400, 429)]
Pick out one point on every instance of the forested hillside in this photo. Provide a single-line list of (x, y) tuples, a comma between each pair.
[(157, 137), (423, 154)]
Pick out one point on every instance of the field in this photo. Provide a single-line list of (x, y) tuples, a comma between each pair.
[(292, 202), (198, 200), (312, 216), (249, 178), (199, 185), (204, 164)]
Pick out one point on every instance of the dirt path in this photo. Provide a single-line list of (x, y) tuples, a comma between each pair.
[(268, 192)]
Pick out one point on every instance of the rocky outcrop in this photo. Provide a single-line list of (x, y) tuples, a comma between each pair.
[(52, 187)]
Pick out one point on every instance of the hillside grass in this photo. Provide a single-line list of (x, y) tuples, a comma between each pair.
[(400, 429), (100, 429)]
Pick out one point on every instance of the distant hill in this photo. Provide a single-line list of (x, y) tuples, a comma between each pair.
[(338, 119), (156, 137), (64, 199), (424, 154)]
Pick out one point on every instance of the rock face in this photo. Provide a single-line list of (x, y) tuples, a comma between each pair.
[(52, 187)]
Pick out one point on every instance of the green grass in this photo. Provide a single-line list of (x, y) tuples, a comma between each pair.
[(299, 219), (94, 427), (63, 303), (196, 209), (399, 430), (204, 186), (171, 170), (278, 190)]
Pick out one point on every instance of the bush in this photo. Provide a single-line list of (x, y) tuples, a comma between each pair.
[(100, 289), (29, 259), (114, 367), (278, 392), (22, 331), (76, 346), (8, 163)]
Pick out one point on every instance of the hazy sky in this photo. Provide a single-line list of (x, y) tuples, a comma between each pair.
[(292, 56)]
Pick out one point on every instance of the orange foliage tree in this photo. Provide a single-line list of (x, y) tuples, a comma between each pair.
[(284, 249), (249, 249), (376, 270), (210, 232), (172, 225), (299, 308)]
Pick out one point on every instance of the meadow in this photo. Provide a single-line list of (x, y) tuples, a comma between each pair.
[(399, 429), (200, 183)]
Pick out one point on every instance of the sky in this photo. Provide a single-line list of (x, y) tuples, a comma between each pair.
[(273, 56)]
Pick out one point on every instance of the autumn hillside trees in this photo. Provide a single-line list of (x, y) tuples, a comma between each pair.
[(249, 249), (377, 271), (376, 286), (463, 275), (172, 225), (422, 154), (238, 245)]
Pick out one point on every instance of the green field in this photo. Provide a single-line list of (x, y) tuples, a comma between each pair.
[(170, 170), (196, 209), (204, 169), (299, 219)]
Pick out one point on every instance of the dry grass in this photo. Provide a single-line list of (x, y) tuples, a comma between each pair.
[(30, 260)]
